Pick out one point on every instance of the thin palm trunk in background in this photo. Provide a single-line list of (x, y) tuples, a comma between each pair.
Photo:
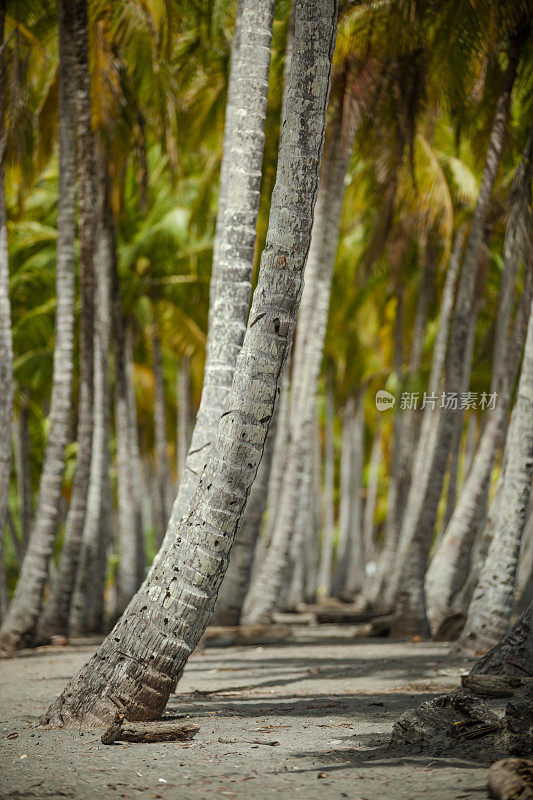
[(140, 662), (18, 626), (22, 467), (163, 502), (328, 527), (6, 341)]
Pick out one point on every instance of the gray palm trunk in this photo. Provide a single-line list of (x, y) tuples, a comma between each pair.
[(87, 606), (140, 662), (305, 538), (183, 392), (137, 479), (328, 499), (163, 501), (449, 567), (129, 577), (490, 610), (355, 561), (410, 606), (19, 624), (233, 253), (6, 342), (312, 322), (22, 467), (524, 573), (236, 581), (392, 557)]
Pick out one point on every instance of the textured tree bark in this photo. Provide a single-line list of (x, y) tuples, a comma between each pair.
[(6, 341), (183, 391), (233, 252), (513, 655), (449, 567), (490, 610), (328, 527), (410, 606), (236, 581), (524, 575), (19, 624), (140, 662), (162, 466)]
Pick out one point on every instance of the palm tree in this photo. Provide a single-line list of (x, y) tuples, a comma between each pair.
[(19, 624), (140, 662), (271, 576), (6, 342), (410, 608), (448, 569), (492, 603), (233, 252)]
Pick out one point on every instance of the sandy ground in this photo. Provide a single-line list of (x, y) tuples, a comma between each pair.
[(328, 699)]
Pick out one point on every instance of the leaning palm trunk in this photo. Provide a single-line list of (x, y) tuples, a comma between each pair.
[(272, 576), (236, 581), (491, 606), (448, 569), (231, 281), (410, 606), (18, 625), (6, 342), (140, 662)]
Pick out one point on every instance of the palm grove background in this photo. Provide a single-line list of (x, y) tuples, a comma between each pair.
[(113, 126)]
